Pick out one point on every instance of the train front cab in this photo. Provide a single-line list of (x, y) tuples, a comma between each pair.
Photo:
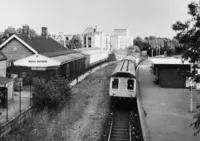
[(122, 88)]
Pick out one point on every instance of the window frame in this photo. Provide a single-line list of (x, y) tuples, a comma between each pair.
[(116, 84), (128, 88)]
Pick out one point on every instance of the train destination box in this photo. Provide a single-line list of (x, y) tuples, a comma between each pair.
[(37, 61)]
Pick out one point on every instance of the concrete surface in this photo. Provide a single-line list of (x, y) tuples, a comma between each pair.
[(14, 105), (168, 117)]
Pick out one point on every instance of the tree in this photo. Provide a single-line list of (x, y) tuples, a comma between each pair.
[(11, 30), (188, 34), (131, 50), (50, 93), (75, 42), (138, 41)]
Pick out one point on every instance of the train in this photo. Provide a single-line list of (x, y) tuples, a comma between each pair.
[(123, 79)]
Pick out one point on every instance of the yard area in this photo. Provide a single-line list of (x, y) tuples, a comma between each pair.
[(81, 119)]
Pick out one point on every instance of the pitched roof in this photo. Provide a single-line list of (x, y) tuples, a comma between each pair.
[(43, 45), (59, 53), (2, 56), (88, 30), (37, 44)]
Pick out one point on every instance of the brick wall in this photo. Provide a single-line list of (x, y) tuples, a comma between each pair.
[(3, 68), (14, 50)]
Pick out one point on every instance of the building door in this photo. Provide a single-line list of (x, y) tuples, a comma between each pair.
[(3, 97)]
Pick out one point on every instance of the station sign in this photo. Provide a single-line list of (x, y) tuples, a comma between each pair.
[(37, 61)]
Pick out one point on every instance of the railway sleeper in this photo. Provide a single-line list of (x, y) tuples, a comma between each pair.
[(119, 138)]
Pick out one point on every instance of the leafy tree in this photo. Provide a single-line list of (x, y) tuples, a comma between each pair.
[(75, 42), (51, 93), (188, 34), (11, 30), (131, 50), (138, 41)]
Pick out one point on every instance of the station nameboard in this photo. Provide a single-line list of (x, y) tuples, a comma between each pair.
[(37, 62)]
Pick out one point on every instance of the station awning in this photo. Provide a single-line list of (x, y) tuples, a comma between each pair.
[(37, 61)]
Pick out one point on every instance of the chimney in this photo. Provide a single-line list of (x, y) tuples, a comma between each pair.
[(95, 29), (44, 32), (26, 31)]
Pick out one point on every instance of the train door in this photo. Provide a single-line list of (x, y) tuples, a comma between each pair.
[(78, 66), (3, 97), (67, 70), (70, 69)]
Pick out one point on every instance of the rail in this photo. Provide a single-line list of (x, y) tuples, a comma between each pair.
[(120, 129)]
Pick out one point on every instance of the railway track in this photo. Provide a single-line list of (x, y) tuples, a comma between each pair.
[(120, 129)]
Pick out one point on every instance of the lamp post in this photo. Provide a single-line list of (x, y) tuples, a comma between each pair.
[(20, 108), (7, 106), (191, 96)]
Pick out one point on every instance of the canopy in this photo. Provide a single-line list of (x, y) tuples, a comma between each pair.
[(37, 61)]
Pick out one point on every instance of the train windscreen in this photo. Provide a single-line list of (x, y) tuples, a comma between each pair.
[(115, 83), (130, 85)]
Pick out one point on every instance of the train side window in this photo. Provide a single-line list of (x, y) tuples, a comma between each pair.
[(130, 84), (115, 84)]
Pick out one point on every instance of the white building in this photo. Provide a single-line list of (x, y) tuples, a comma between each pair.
[(121, 39), (93, 38)]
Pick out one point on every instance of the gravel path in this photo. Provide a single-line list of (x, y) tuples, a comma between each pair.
[(89, 127)]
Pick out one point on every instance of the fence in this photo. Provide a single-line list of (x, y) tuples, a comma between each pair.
[(20, 107), (15, 108)]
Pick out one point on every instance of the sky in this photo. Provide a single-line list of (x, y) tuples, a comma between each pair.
[(141, 17)]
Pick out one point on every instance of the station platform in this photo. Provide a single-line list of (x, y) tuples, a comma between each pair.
[(167, 110)]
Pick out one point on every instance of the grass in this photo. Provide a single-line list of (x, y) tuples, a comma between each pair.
[(53, 125), (50, 125)]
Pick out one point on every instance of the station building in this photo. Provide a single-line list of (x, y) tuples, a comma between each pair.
[(170, 72), (43, 47)]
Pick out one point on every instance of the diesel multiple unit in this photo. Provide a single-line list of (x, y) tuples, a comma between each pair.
[(123, 79)]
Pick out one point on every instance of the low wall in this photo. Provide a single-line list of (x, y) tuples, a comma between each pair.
[(83, 76)]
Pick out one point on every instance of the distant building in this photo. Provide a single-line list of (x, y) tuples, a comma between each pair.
[(121, 39), (93, 38), (68, 37), (60, 38), (121, 32)]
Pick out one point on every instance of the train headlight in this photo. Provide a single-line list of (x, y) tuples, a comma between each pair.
[(113, 94), (130, 94)]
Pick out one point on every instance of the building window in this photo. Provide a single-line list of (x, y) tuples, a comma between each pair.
[(130, 85), (85, 42), (67, 38), (115, 83), (89, 42)]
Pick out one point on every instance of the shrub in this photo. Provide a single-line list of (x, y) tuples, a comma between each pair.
[(50, 93)]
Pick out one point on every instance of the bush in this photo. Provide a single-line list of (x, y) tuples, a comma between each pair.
[(50, 94)]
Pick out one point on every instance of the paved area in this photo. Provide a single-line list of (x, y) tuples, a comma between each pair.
[(14, 105), (168, 117)]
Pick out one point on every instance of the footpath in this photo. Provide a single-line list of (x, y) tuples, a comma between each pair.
[(167, 109), (14, 105)]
